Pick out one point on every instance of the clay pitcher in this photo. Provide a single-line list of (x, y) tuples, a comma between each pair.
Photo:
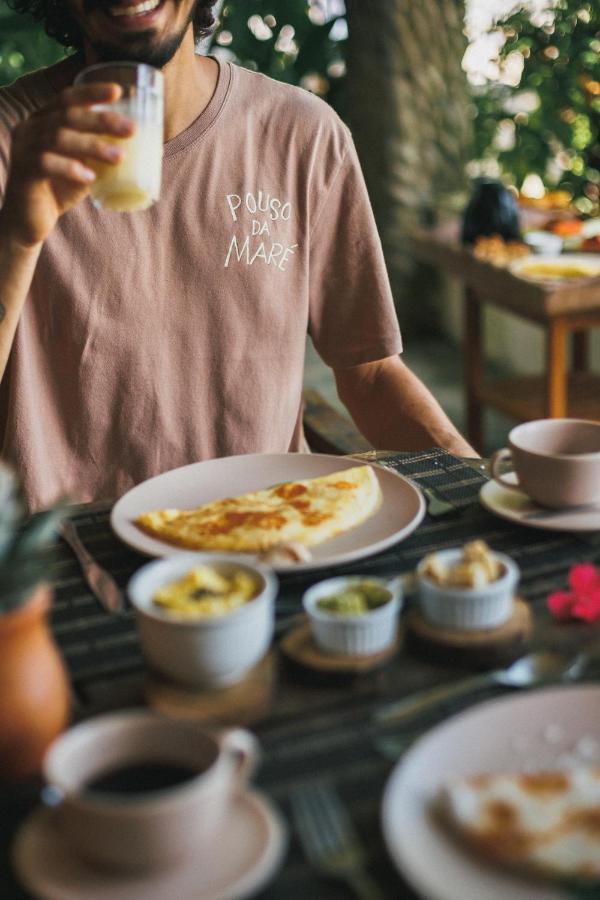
[(34, 690)]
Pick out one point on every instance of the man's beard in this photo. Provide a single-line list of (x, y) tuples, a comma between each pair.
[(143, 47)]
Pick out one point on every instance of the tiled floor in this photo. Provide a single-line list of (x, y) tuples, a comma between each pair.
[(439, 365)]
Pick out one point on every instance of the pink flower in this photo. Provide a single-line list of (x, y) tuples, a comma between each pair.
[(583, 600)]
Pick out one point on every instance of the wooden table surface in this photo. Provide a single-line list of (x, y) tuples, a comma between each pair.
[(312, 730), (533, 300)]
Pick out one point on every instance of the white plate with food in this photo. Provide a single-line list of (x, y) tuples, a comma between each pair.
[(566, 268), (338, 508), (548, 743)]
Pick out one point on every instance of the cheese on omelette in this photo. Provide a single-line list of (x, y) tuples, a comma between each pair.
[(547, 823), (309, 511)]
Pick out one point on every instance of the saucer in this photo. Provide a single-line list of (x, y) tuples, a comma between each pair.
[(516, 506), (241, 861)]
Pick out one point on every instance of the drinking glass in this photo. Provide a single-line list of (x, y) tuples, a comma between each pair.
[(134, 183)]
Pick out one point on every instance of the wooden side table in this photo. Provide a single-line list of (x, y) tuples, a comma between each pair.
[(562, 309)]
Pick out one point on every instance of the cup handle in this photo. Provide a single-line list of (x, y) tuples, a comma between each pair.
[(499, 457), (243, 748)]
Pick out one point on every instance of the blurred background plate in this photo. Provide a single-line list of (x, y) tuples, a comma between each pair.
[(535, 732), (567, 267)]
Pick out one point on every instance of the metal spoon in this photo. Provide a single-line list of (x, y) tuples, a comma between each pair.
[(528, 671)]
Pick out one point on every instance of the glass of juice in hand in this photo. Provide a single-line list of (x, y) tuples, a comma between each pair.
[(134, 183)]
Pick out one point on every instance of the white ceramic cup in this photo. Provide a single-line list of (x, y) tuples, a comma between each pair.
[(207, 652), (557, 461), (160, 828)]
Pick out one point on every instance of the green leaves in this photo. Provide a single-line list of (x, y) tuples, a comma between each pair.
[(561, 65), (23, 45), (26, 544), (287, 39), (11, 510)]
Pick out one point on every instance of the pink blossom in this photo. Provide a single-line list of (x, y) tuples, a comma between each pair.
[(583, 600)]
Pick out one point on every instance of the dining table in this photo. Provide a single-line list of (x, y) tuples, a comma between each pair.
[(566, 311), (314, 727)]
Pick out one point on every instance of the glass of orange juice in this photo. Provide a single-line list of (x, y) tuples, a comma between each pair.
[(134, 183)]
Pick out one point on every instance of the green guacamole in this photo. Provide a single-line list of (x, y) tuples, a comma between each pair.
[(355, 600)]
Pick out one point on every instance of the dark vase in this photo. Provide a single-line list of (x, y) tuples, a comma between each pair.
[(492, 209)]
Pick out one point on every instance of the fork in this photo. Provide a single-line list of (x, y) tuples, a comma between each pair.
[(102, 585), (329, 839)]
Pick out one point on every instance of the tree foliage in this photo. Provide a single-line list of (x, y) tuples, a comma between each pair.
[(23, 45), (291, 40), (554, 112)]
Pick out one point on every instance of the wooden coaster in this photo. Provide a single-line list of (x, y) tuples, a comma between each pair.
[(242, 703), (299, 647), (485, 648)]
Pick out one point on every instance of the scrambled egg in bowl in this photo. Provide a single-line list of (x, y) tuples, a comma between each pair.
[(203, 592)]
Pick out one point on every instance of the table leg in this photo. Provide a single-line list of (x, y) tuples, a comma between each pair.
[(581, 351), (474, 367), (556, 369)]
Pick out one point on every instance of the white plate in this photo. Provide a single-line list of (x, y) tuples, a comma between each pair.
[(516, 506), (402, 509), (242, 861), (530, 732), (589, 261)]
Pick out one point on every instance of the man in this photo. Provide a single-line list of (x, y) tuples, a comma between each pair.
[(134, 343)]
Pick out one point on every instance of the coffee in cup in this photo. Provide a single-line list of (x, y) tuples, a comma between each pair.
[(139, 792), (557, 461)]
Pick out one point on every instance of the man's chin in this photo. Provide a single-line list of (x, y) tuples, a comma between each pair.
[(141, 48)]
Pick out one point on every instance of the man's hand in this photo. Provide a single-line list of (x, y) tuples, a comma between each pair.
[(395, 411), (49, 171)]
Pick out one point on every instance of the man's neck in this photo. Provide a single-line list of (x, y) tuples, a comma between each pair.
[(190, 82)]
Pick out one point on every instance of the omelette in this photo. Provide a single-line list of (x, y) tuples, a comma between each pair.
[(546, 823), (309, 511)]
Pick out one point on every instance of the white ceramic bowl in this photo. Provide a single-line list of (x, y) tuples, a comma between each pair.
[(211, 651), (544, 242), (358, 635), (468, 609)]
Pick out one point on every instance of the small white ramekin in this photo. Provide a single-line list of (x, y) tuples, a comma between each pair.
[(213, 651), (464, 608), (354, 635)]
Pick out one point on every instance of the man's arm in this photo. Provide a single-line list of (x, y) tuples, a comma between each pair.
[(17, 266), (394, 410), (48, 176)]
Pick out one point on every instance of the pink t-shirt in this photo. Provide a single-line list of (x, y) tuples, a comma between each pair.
[(155, 339)]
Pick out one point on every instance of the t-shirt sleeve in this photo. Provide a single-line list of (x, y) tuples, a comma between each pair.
[(352, 318)]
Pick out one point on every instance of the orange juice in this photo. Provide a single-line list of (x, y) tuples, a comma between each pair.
[(134, 183)]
